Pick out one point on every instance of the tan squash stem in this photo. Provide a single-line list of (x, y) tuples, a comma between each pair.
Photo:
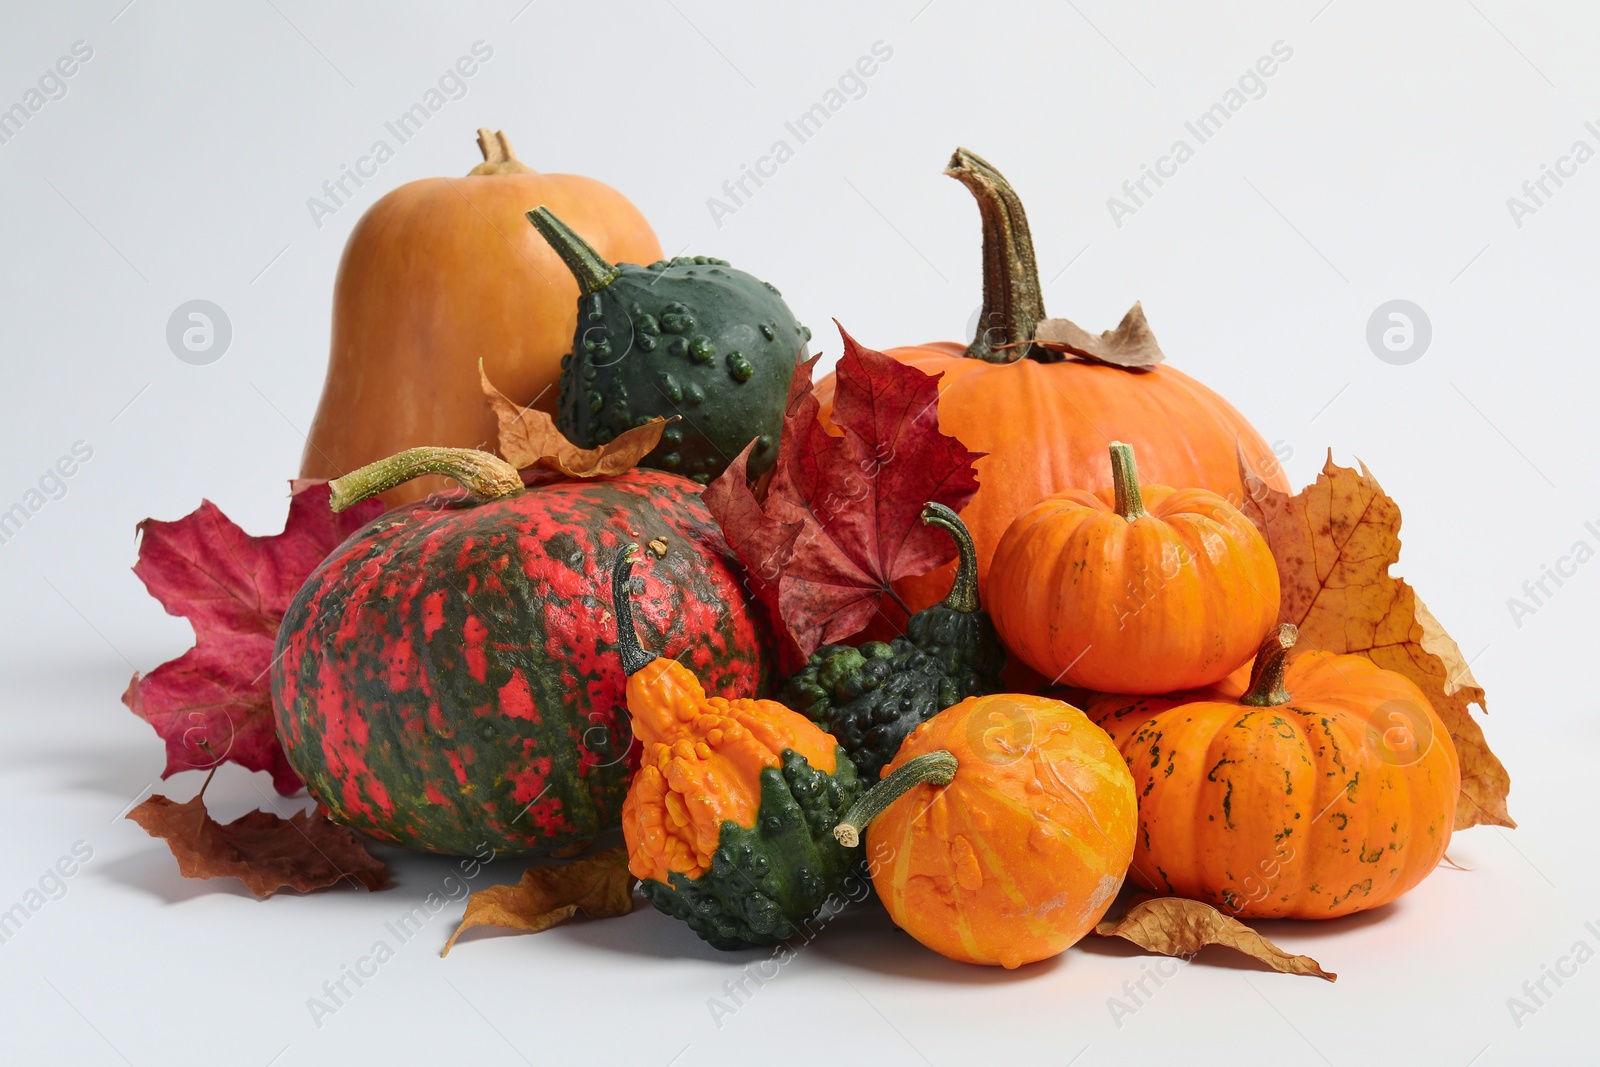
[(1129, 502), (482, 473), (1013, 301), (498, 158), (963, 595), (634, 659), (1266, 676), (934, 768), (587, 265)]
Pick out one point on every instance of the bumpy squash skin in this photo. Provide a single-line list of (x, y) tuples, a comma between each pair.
[(1295, 811), (729, 820), (1021, 854), (766, 880), (691, 337), (446, 679), (871, 697)]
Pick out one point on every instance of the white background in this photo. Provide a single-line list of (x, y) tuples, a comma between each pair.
[(1377, 165)]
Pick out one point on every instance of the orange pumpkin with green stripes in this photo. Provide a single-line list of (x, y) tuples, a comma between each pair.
[(1001, 831), (1326, 787)]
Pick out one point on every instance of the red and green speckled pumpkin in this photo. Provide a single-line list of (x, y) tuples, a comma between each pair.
[(447, 679)]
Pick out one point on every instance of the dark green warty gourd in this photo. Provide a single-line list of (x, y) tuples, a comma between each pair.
[(689, 336), (871, 697)]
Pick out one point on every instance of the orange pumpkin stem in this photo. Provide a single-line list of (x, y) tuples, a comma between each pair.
[(498, 158), (484, 474), (933, 768), (587, 265), (1266, 676), (963, 595), (1125, 482), (1013, 301), (634, 659)]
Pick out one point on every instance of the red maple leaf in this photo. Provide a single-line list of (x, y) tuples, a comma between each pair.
[(213, 703), (841, 519)]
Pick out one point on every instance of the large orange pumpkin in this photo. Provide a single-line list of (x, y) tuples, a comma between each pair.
[(1133, 590), (1001, 831), (1044, 421), (1327, 787), (439, 274)]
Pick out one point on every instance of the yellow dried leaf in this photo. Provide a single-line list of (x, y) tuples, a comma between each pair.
[(599, 886), (1334, 543), (529, 439), (1175, 926)]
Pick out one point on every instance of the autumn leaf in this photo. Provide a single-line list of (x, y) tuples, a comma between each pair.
[(1174, 926), (599, 886), (529, 439), (1334, 543), (1131, 345), (264, 851), (213, 703), (841, 519)]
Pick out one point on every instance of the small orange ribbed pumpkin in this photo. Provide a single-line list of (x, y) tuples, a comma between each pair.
[(1328, 787), (1001, 831), (1130, 590)]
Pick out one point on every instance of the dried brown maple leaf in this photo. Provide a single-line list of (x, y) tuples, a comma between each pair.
[(529, 439), (1131, 345), (842, 517), (213, 703), (263, 850), (599, 886), (1334, 543), (1175, 926)]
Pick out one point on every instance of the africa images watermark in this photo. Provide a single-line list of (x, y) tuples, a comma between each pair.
[(1538, 190), (51, 85), (1537, 992), (851, 85), (1252, 85), (52, 485), (452, 85), (50, 886), (1537, 592)]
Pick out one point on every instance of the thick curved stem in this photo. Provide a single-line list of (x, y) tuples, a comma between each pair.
[(1266, 676), (963, 595), (634, 659), (587, 265), (1129, 502), (1013, 302), (934, 768), (482, 473), (498, 158)]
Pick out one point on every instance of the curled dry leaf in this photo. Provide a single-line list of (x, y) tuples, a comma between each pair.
[(1131, 345), (599, 886), (529, 439), (842, 517), (213, 703), (263, 850), (1175, 926), (1334, 542)]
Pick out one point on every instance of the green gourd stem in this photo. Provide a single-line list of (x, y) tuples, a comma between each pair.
[(484, 474), (963, 595), (1125, 482), (498, 158), (634, 659), (587, 265), (1266, 676), (1013, 301), (934, 768)]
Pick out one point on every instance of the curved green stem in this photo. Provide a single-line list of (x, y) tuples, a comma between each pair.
[(482, 473), (1013, 301), (963, 595), (634, 659), (934, 768), (1266, 676), (1125, 482), (587, 265)]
